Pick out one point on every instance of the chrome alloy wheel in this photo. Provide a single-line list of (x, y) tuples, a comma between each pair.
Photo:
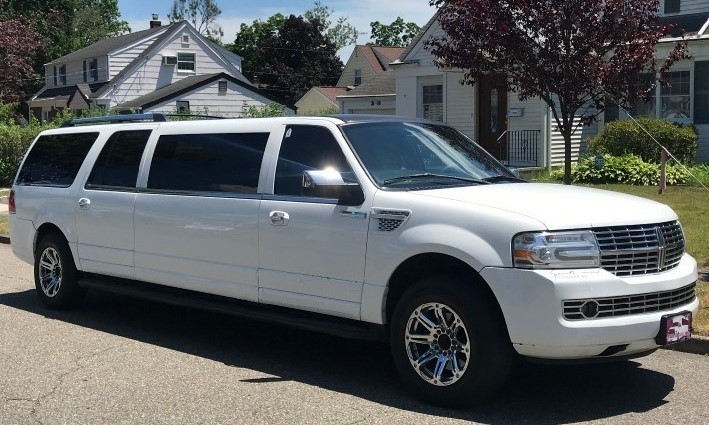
[(437, 344), (50, 272)]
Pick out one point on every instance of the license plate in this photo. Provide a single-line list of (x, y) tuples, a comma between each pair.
[(675, 328)]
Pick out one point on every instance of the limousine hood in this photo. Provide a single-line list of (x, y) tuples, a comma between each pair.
[(561, 207)]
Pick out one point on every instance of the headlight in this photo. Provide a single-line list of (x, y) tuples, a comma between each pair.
[(556, 250)]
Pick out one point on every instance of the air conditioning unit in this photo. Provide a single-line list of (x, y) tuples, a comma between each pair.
[(169, 60)]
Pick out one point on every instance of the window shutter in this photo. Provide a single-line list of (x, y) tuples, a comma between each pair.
[(701, 92), (672, 6), (86, 77)]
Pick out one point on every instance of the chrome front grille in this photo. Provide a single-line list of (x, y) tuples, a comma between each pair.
[(593, 308), (640, 249)]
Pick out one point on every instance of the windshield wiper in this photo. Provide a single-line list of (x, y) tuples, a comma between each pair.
[(496, 179), (432, 175)]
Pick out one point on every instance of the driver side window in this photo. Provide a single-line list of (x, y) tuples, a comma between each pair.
[(304, 148)]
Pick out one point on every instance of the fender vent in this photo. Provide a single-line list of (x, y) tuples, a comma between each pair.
[(390, 220)]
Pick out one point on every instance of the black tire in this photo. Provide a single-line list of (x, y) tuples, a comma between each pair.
[(58, 288), (489, 351)]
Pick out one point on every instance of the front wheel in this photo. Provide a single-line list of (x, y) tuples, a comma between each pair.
[(449, 344), (55, 274)]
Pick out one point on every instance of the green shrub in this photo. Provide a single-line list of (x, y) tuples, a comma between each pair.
[(627, 169), (625, 137)]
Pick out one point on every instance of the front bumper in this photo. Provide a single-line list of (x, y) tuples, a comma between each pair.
[(531, 302)]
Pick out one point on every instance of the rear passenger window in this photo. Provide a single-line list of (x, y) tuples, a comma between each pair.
[(307, 148), (55, 160), (118, 163), (208, 162)]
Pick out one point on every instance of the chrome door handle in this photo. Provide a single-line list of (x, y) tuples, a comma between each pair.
[(278, 218), (84, 203)]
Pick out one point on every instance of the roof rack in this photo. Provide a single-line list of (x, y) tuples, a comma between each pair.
[(124, 118), (112, 119)]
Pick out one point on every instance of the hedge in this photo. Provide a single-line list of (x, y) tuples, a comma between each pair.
[(624, 137)]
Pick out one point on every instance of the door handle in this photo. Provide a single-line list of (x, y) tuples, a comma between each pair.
[(278, 218), (84, 203)]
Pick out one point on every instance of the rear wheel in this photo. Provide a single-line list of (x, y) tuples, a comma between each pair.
[(449, 344), (55, 274)]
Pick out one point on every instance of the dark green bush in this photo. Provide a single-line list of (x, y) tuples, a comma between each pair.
[(625, 137), (628, 169)]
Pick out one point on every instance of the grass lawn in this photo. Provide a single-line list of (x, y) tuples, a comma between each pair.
[(4, 192), (692, 206), (4, 231)]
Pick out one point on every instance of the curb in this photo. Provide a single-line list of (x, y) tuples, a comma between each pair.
[(696, 345), (5, 239)]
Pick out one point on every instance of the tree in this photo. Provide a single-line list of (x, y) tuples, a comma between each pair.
[(288, 56), (342, 33), (250, 39), (396, 34), (571, 54), (19, 44), (202, 14), (94, 20)]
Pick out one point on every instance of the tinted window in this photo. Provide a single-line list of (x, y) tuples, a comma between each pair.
[(307, 148), (55, 160), (118, 163), (208, 162)]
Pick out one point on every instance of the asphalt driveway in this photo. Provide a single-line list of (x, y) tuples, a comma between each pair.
[(122, 360)]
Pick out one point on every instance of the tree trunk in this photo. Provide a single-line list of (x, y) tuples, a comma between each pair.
[(567, 157)]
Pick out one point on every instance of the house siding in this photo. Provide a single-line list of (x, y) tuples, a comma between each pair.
[(152, 74), (458, 103), (356, 61), (75, 72), (207, 100), (122, 58), (363, 105), (314, 102)]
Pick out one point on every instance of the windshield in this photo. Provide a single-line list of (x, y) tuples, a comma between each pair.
[(412, 155)]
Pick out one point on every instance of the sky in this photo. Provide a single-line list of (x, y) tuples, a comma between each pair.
[(235, 12)]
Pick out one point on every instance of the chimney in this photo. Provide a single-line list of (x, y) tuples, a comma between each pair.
[(155, 22)]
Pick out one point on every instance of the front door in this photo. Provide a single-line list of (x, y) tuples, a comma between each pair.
[(492, 115), (311, 250)]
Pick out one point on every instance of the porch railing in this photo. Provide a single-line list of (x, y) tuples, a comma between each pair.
[(521, 149)]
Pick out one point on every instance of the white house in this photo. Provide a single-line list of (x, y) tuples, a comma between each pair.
[(165, 68), (524, 133)]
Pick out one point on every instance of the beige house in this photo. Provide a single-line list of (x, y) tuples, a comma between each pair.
[(320, 100), (366, 63)]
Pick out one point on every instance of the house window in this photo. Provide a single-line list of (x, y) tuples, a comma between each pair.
[(433, 102), (185, 39), (701, 92), (672, 6), (357, 77), (93, 66), (641, 107), (62, 75), (56, 82), (183, 107), (222, 87), (186, 62), (675, 100)]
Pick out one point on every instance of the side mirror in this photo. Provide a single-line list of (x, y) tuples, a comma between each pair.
[(330, 184)]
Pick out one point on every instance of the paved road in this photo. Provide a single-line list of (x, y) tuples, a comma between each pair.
[(121, 360)]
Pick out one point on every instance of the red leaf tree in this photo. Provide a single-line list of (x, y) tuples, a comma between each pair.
[(571, 54), (19, 44)]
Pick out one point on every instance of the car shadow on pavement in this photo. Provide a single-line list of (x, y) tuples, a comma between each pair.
[(534, 394)]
